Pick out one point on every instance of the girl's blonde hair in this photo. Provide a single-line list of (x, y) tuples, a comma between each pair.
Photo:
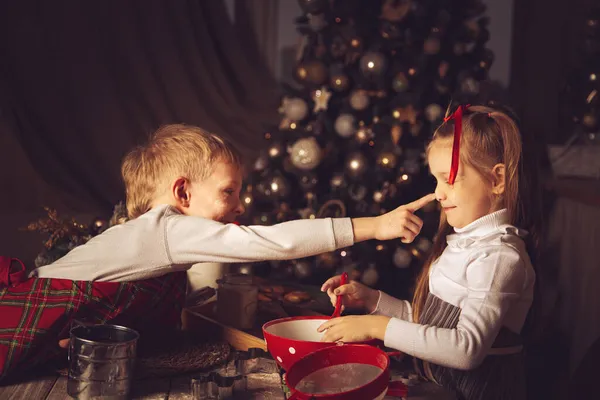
[(172, 151), (490, 137)]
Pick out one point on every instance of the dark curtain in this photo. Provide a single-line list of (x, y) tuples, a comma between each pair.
[(547, 43), (81, 82)]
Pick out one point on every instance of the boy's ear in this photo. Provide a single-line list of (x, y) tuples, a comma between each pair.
[(499, 179), (181, 192)]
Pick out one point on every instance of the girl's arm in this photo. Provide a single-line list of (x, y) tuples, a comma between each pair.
[(393, 307), (496, 278)]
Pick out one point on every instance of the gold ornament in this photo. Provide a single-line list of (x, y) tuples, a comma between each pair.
[(405, 114), (396, 133), (364, 134), (386, 160), (321, 98)]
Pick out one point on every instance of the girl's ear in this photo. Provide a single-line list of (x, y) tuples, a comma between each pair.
[(498, 179)]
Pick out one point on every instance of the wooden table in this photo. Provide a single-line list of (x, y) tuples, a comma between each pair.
[(54, 387)]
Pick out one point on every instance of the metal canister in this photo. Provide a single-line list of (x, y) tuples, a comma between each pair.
[(237, 300), (101, 361)]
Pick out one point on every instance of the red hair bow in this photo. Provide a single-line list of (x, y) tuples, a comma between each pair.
[(457, 116)]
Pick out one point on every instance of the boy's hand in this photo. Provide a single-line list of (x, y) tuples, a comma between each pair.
[(402, 222), (64, 343), (355, 294)]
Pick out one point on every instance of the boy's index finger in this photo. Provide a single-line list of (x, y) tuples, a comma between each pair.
[(420, 203)]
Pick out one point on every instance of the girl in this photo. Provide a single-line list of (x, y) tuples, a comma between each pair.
[(475, 291)]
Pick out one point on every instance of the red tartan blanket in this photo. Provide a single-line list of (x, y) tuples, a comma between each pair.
[(35, 313)]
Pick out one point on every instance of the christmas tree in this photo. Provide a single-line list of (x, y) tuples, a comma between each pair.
[(374, 81), (580, 103)]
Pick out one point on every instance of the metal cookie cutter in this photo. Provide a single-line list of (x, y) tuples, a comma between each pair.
[(218, 386), (254, 361)]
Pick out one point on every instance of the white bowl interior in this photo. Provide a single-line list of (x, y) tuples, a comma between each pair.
[(302, 329)]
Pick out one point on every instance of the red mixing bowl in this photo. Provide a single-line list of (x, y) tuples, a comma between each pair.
[(344, 372), (290, 339)]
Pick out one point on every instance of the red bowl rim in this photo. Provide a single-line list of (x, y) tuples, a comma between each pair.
[(305, 317)]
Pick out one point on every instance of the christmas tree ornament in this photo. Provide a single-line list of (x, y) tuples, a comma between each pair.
[(278, 186), (312, 6), (371, 276), (345, 125), (357, 192), (295, 109), (307, 213), (364, 134), (359, 100), (261, 163), (356, 164), (332, 209), (400, 82), (275, 150), (321, 98), (390, 30), (339, 82), (313, 72), (303, 269), (327, 260), (247, 199), (434, 113), (308, 181), (404, 178), (402, 258), (338, 181), (405, 114), (395, 10), (306, 153), (263, 218), (372, 64), (355, 274), (396, 134), (386, 160)]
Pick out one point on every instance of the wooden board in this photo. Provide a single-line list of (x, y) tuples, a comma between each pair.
[(34, 388), (203, 321)]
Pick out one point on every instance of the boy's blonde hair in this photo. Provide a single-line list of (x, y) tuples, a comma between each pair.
[(172, 151)]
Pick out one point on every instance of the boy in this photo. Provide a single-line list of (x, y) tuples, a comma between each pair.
[(183, 193)]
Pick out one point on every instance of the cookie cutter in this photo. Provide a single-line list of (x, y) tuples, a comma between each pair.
[(218, 386)]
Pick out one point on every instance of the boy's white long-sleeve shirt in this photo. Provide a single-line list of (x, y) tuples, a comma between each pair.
[(163, 241), (486, 272)]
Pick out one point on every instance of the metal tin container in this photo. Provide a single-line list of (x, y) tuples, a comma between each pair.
[(101, 361)]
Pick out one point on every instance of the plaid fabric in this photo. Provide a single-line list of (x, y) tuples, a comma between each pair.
[(36, 313)]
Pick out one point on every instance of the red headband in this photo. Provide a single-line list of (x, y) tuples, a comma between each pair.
[(457, 116)]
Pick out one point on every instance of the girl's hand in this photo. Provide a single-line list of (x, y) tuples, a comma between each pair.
[(354, 328), (402, 222), (355, 294)]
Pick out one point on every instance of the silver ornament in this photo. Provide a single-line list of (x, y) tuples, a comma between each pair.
[(306, 153), (433, 112), (345, 125), (402, 258), (302, 269), (370, 276), (372, 63), (295, 109), (359, 100)]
